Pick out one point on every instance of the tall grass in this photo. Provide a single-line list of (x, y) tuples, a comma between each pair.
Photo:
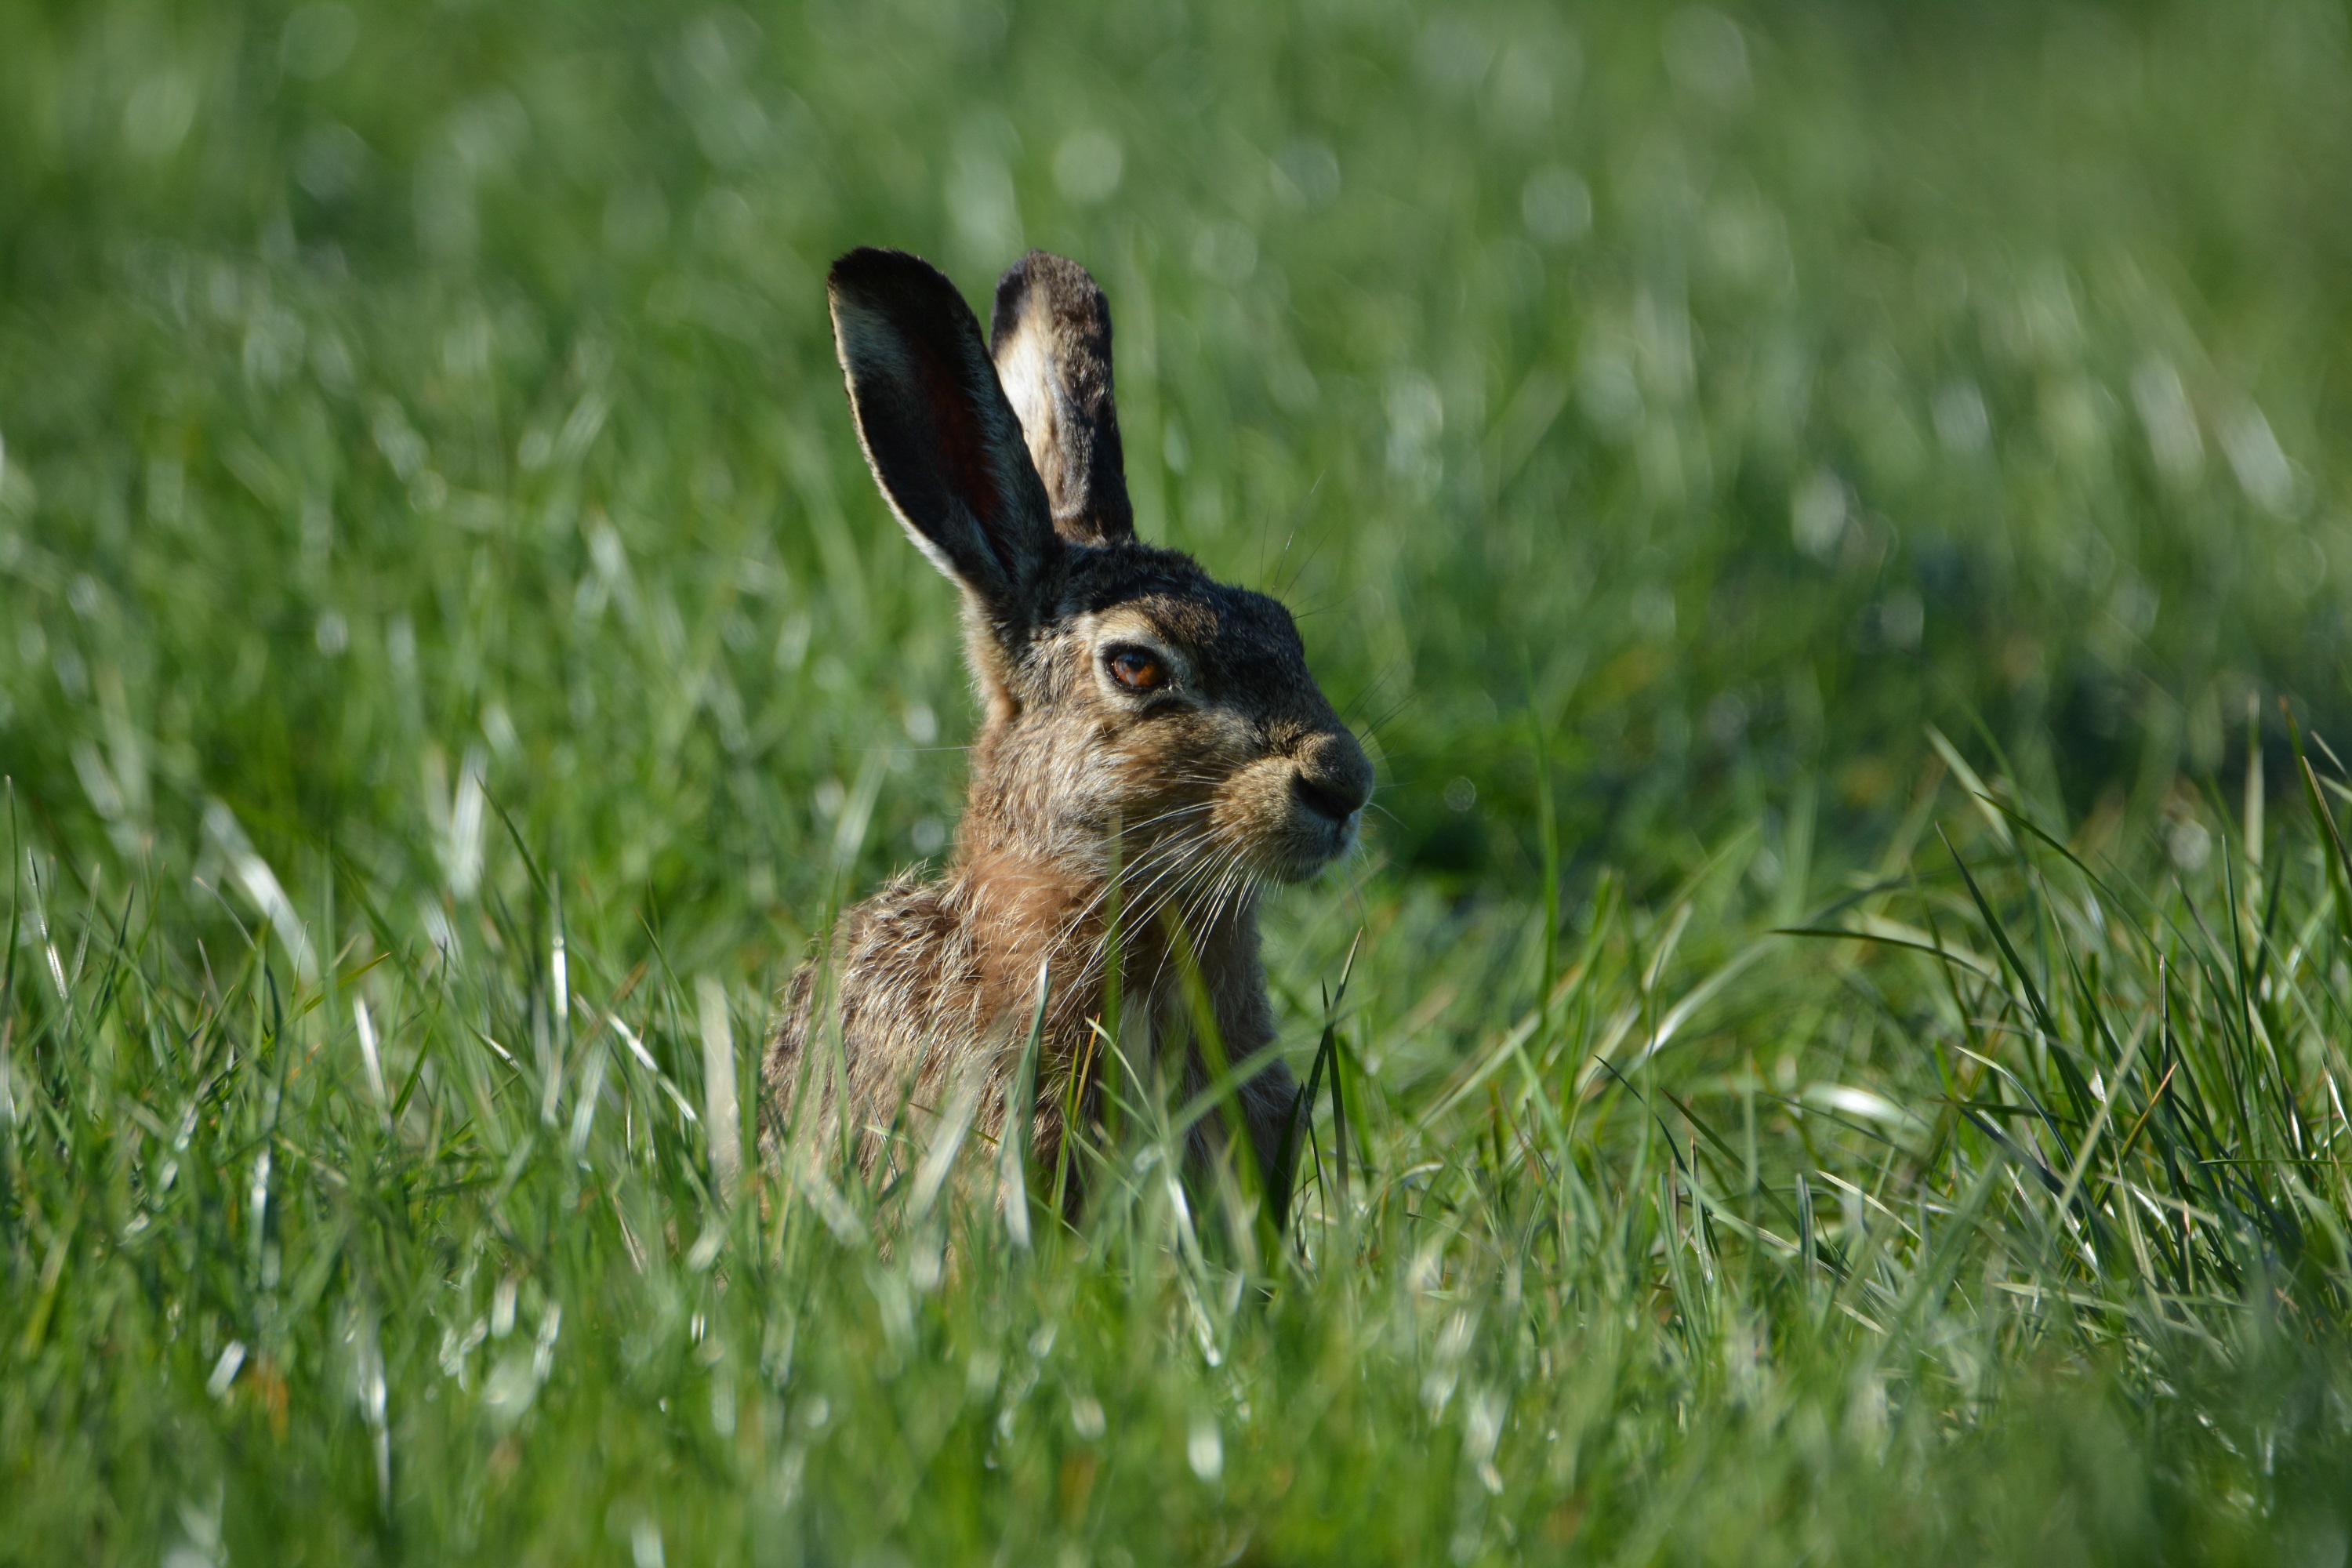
[(1835, 1050), (2030, 1239)]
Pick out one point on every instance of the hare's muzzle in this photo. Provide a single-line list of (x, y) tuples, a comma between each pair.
[(1329, 782), (1320, 798)]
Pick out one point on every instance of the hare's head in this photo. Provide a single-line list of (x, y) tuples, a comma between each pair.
[(1126, 689)]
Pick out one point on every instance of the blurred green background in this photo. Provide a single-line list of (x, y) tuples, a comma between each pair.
[(420, 419), (395, 391)]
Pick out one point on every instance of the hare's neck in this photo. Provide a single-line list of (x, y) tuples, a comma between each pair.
[(1025, 911), (1159, 968)]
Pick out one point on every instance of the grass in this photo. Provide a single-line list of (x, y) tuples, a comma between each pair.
[(1817, 514)]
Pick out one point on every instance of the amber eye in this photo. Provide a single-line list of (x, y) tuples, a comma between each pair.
[(1137, 669)]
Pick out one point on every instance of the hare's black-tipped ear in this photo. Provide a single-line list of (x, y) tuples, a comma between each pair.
[(939, 435), (1051, 335)]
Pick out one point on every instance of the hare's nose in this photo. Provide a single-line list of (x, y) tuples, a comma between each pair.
[(1334, 777)]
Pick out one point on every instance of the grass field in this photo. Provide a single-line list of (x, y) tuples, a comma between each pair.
[(1832, 521)]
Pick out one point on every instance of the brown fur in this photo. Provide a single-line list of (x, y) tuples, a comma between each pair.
[(1236, 775)]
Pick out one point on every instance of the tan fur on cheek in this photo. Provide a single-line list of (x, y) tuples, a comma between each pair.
[(1253, 811)]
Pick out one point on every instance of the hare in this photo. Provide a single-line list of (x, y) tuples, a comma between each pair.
[(1153, 753)]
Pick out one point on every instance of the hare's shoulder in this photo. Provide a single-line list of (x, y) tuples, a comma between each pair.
[(891, 954), (910, 911), (902, 948)]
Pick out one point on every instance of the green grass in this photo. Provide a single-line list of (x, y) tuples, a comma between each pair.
[(1853, 471)]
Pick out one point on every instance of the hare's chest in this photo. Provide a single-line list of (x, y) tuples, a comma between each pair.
[(1179, 1027)]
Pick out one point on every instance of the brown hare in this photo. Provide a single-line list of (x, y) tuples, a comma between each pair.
[(1154, 751)]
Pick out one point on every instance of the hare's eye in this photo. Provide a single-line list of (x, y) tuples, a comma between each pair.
[(1137, 669)]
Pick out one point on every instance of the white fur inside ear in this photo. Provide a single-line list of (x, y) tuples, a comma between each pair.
[(1027, 372)]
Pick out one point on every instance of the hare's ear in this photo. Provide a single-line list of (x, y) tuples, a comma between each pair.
[(941, 440), (1051, 335)]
